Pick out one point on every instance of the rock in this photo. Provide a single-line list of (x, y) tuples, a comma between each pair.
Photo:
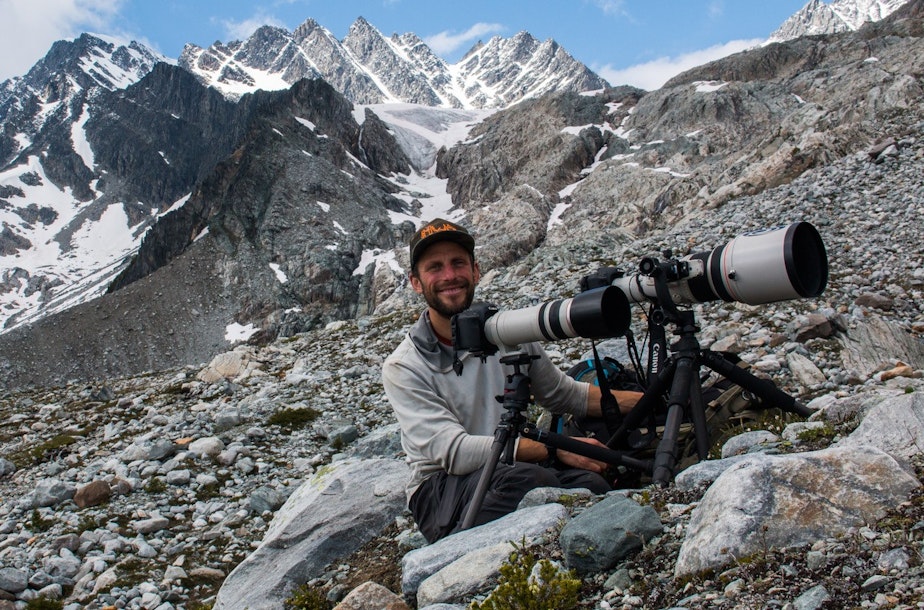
[(418, 565), (371, 595), (465, 576), (326, 518), (92, 494), (782, 501), (210, 446), (875, 341), (266, 499), (878, 301), (149, 526), (13, 580), (748, 442), (6, 467), (230, 365), (607, 532), (895, 426), (804, 370), (51, 492)]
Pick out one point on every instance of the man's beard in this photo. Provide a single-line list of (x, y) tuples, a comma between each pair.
[(431, 296)]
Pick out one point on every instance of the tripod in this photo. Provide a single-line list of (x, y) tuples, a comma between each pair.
[(516, 399), (680, 373), (678, 376)]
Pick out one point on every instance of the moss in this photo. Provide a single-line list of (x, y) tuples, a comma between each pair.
[(811, 435), (306, 597), (131, 572), (87, 523), (293, 419), (519, 589), (156, 485), (38, 523), (41, 452)]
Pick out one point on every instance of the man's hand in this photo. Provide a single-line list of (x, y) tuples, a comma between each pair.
[(576, 460)]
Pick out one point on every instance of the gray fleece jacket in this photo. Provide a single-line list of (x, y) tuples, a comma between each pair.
[(448, 420)]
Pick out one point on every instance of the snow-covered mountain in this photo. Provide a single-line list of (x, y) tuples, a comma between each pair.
[(89, 162), (819, 17), (81, 180), (58, 241), (370, 68)]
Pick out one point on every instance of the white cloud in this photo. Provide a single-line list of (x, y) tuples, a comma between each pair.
[(446, 42), (241, 30), (31, 26), (653, 74), (612, 7)]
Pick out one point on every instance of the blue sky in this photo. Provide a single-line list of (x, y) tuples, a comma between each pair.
[(638, 42)]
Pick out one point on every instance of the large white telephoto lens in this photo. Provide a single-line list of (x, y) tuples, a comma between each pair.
[(758, 267), (595, 314), (764, 266)]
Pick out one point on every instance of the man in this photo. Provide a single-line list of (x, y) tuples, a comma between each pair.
[(448, 414)]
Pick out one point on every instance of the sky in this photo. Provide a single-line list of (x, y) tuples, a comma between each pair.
[(637, 42)]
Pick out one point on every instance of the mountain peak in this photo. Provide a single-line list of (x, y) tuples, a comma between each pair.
[(818, 17), (369, 68)]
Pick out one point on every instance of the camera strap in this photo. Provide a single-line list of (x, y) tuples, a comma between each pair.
[(609, 406)]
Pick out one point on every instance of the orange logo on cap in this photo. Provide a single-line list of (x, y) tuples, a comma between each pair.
[(428, 231)]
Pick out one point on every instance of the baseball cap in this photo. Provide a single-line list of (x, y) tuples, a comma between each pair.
[(436, 230)]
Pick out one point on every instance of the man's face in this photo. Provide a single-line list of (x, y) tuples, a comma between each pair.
[(446, 277)]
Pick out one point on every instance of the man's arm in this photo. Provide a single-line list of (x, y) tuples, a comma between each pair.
[(529, 450), (626, 399)]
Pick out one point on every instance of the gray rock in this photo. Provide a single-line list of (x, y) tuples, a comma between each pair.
[(747, 442), (418, 565), (179, 477), (51, 492), (813, 599), (210, 446), (6, 467), (783, 501), (896, 426), (464, 576), (549, 495), (149, 526), (705, 472), (607, 532), (382, 442), (266, 499), (13, 580), (326, 518)]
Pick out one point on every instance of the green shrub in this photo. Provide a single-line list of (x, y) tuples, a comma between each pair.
[(293, 419), (519, 589), (38, 523), (306, 597)]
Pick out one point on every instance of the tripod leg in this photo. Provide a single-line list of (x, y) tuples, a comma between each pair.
[(666, 453), (698, 413), (500, 443), (645, 406), (759, 387)]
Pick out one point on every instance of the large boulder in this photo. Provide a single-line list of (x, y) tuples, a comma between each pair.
[(327, 518), (768, 501)]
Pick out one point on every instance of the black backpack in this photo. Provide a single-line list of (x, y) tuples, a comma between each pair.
[(728, 406)]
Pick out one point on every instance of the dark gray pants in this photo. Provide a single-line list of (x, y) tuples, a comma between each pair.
[(440, 503)]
